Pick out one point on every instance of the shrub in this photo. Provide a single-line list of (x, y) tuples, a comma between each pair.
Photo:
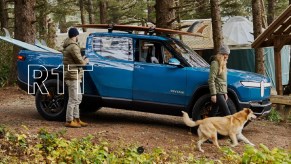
[(274, 116), (49, 147), (5, 61), (262, 155)]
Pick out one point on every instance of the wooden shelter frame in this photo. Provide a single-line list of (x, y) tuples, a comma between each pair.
[(277, 34)]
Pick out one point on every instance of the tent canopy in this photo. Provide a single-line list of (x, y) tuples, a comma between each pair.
[(238, 32)]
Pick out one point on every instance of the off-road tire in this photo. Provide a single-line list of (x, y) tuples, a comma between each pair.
[(52, 106)]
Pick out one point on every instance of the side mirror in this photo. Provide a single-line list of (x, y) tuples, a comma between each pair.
[(175, 62)]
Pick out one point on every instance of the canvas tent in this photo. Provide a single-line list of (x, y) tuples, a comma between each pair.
[(238, 34)]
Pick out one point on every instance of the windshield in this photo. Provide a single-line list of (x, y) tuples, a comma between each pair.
[(188, 54)]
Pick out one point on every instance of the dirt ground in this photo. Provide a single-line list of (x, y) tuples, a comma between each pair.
[(148, 130)]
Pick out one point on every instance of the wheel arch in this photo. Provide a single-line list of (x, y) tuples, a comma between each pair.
[(195, 95), (233, 96), (205, 90), (49, 76)]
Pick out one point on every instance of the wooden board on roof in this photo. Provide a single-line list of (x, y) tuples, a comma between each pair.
[(137, 28)]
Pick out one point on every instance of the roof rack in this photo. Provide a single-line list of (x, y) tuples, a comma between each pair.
[(130, 28)]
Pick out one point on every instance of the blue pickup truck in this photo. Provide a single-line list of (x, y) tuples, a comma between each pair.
[(150, 73)]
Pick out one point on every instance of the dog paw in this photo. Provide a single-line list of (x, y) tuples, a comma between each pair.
[(201, 150), (252, 144), (233, 145)]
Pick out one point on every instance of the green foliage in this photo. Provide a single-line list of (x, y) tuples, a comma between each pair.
[(252, 155), (125, 12), (233, 8), (274, 116), (280, 6), (264, 155), (2, 131), (5, 61), (49, 147)]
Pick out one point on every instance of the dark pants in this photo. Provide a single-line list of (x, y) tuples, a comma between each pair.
[(220, 104)]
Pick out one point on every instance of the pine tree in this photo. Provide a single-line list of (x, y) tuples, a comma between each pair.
[(165, 15), (257, 22), (3, 14), (216, 25), (24, 29)]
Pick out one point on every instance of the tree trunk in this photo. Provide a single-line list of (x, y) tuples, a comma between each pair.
[(25, 20), (81, 4), (24, 30), (271, 11), (202, 9), (63, 25), (63, 22), (165, 15), (3, 14), (216, 25), (257, 25), (150, 11), (42, 25), (51, 41), (90, 12), (103, 11)]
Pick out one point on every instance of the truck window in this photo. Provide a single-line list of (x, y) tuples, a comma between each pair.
[(166, 54), (150, 52), (116, 48)]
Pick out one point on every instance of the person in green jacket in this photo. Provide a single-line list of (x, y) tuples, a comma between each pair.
[(218, 81), (73, 74)]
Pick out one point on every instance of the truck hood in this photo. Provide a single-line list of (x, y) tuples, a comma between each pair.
[(237, 75), (246, 76)]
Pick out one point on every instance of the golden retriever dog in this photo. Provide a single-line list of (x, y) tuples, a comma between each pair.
[(231, 126)]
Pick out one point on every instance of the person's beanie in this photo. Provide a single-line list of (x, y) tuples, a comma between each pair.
[(224, 49), (73, 32)]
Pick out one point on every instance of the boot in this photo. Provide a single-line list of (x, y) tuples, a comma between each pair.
[(72, 124), (83, 124)]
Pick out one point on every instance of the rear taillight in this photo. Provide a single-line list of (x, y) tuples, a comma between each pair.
[(21, 58)]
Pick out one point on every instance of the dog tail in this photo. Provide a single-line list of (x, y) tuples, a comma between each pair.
[(188, 121)]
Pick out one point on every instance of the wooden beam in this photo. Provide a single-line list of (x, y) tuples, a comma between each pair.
[(268, 43), (287, 31), (278, 67), (271, 41), (278, 99), (273, 26), (283, 26), (281, 40)]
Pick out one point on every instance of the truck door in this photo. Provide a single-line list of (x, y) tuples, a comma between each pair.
[(112, 60), (154, 80)]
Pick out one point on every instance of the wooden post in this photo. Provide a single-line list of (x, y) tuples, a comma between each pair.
[(278, 67), (280, 101)]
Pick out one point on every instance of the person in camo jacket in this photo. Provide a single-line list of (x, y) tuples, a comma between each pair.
[(73, 74), (218, 81)]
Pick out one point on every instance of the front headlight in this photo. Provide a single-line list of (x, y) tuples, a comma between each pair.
[(255, 84), (261, 85)]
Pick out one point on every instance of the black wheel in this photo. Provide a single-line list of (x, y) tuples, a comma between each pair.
[(52, 105), (202, 107)]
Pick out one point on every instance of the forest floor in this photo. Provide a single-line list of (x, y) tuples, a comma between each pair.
[(117, 126)]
